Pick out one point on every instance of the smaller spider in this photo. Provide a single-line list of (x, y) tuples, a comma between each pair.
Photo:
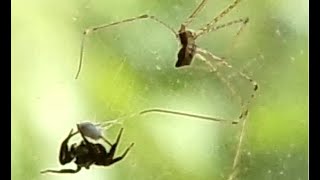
[(87, 153)]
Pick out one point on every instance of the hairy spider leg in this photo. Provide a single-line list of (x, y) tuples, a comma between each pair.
[(237, 155), (103, 26), (235, 167), (211, 24), (244, 67), (195, 12), (242, 21), (205, 55), (72, 171), (243, 113)]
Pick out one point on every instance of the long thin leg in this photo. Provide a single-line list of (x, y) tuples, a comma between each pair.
[(233, 174), (244, 68), (208, 55), (109, 160), (183, 114), (244, 106), (105, 140), (219, 16), (221, 61), (122, 156), (62, 170), (244, 111), (100, 27), (114, 146), (243, 22), (235, 168), (237, 156), (195, 12), (243, 25), (204, 56)]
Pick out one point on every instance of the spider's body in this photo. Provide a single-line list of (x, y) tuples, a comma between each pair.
[(188, 49), (86, 154)]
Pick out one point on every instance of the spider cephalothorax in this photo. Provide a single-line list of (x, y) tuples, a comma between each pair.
[(87, 153)]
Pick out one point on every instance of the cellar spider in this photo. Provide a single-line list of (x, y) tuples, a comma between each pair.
[(189, 50)]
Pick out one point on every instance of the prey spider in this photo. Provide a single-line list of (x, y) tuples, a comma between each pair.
[(189, 50), (87, 153)]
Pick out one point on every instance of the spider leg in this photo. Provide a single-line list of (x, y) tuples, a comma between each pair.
[(242, 21), (237, 155), (235, 168), (245, 67), (244, 111), (62, 170), (114, 146), (65, 156), (104, 26), (234, 174), (112, 161), (195, 12), (183, 114), (105, 140), (218, 17), (205, 55)]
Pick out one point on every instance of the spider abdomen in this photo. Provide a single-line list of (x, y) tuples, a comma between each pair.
[(187, 52)]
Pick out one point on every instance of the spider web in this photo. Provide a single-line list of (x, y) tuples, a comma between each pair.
[(130, 67)]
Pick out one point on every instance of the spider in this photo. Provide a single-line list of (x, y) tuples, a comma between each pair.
[(87, 153), (189, 50)]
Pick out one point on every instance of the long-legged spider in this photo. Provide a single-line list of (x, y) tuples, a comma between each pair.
[(87, 153), (189, 49)]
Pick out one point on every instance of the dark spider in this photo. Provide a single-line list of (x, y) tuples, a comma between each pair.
[(87, 154)]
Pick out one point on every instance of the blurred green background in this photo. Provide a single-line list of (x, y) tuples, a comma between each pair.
[(130, 67)]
